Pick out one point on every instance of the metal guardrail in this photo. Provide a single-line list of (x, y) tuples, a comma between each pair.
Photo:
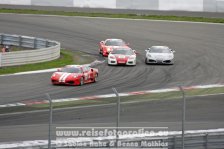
[(192, 141), (41, 50), (208, 140)]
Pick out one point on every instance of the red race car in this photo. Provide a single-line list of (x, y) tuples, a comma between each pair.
[(105, 47), (74, 75)]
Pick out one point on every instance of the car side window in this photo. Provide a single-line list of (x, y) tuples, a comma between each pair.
[(85, 69), (81, 69), (88, 69)]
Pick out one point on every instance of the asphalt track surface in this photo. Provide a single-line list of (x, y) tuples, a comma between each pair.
[(198, 60)]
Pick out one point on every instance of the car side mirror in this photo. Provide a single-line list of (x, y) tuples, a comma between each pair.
[(59, 69), (135, 51), (92, 69), (173, 51), (147, 50)]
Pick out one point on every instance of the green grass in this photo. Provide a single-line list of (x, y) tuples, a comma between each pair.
[(67, 57), (175, 95), (131, 16)]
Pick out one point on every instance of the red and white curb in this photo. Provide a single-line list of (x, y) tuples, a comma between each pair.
[(29, 102)]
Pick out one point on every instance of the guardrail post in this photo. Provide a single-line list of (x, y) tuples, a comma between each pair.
[(174, 142), (0, 60), (206, 141), (50, 120), (1, 41), (34, 43), (118, 114), (46, 44), (183, 115), (20, 41)]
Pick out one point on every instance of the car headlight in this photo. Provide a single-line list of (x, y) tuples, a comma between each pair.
[(171, 56), (53, 75), (108, 49), (112, 57), (149, 55), (131, 58)]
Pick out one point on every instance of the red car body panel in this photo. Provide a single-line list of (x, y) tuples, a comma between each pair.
[(105, 50), (74, 78), (121, 59)]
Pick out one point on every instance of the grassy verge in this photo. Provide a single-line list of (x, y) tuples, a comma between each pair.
[(175, 95), (131, 16), (67, 57)]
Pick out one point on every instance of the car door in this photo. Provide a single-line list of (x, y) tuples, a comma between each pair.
[(85, 74)]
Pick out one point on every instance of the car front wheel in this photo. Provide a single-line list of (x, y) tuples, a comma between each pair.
[(81, 81), (146, 61), (95, 79)]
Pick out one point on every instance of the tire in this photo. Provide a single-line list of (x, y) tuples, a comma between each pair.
[(81, 81), (95, 79), (101, 52), (146, 61)]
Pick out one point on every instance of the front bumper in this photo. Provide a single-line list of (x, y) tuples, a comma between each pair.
[(67, 82), (128, 62), (156, 61)]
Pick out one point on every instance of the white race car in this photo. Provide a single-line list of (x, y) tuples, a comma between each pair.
[(122, 56), (159, 55)]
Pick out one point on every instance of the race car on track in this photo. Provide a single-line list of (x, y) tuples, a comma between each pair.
[(74, 75), (105, 47), (159, 55), (122, 56)]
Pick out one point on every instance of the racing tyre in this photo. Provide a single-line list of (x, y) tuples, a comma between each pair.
[(81, 81), (146, 61), (95, 79), (101, 52)]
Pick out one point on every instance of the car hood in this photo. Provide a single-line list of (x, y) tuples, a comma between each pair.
[(121, 56), (161, 55), (64, 75)]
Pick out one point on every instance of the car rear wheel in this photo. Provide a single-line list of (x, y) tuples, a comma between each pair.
[(81, 81), (95, 79)]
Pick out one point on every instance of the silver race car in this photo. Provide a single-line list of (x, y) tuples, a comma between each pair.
[(159, 55)]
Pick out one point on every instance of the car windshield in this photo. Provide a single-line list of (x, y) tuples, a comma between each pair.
[(115, 43), (71, 70), (159, 50), (123, 51)]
